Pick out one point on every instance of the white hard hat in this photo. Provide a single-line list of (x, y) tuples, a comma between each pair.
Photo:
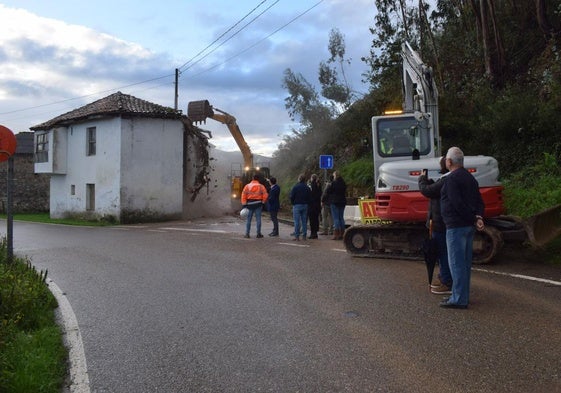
[(244, 212)]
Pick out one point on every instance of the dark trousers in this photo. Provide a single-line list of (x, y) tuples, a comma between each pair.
[(275, 221), (313, 215)]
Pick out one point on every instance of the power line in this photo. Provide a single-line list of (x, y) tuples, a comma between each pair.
[(261, 40), (157, 78), (202, 72), (84, 96), (223, 34), (229, 38)]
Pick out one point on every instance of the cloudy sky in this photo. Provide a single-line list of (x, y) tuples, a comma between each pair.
[(57, 55)]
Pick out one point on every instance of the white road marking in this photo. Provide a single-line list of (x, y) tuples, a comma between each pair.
[(294, 244), (521, 276), (195, 230), (79, 381)]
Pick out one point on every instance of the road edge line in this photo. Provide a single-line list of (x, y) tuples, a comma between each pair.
[(78, 370), (521, 276)]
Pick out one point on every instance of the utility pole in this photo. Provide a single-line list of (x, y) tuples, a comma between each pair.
[(176, 86), (9, 210), (8, 145)]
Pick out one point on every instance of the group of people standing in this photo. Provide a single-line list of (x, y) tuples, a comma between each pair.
[(455, 213), (309, 203)]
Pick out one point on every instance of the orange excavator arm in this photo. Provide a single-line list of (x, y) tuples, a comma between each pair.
[(199, 111)]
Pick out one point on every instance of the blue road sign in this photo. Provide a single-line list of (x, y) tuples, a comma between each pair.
[(325, 162)]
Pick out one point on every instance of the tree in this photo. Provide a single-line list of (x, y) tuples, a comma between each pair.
[(548, 30), (395, 22), (491, 41), (334, 83)]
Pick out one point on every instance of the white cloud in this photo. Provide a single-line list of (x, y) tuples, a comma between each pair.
[(45, 60)]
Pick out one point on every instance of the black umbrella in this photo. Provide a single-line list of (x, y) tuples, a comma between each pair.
[(430, 250)]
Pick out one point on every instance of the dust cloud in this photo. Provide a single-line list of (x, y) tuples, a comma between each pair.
[(214, 198)]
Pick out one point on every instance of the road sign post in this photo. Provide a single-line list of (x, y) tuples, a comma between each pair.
[(7, 149), (325, 162)]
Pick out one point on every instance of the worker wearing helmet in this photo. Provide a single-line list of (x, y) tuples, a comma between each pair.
[(254, 196)]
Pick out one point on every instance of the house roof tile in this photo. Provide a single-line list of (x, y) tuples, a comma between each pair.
[(116, 104)]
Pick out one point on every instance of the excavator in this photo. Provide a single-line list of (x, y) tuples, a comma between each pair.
[(198, 112), (405, 143)]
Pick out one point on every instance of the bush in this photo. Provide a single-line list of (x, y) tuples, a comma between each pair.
[(534, 188), (359, 176)]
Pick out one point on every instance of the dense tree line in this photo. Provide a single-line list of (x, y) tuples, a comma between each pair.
[(498, 69)]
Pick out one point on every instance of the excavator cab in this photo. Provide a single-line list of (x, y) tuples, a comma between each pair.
[(401, 137)]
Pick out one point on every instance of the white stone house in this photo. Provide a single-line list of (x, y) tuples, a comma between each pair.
[(122, 159)]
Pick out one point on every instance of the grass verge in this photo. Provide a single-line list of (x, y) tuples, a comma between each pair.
[(32, 353), (44, 218)]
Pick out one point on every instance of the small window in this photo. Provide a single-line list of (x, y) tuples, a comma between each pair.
[(42, 148), (72, 189), (90, 197), (90, 136)]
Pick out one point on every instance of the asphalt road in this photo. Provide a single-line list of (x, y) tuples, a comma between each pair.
[(195, 307)]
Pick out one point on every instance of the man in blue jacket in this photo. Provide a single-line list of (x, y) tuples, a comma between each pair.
[(462, 210), (300, 197)]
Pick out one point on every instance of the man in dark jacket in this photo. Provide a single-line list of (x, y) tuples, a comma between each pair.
[(431, 189), (300, 197), (462, 210), (274, 205), (337, 196)]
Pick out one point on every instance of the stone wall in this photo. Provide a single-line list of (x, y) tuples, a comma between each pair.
[(30, 192)]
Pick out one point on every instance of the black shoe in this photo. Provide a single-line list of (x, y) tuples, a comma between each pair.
[(273, 234), (246, 235), (259, 235), (313, 237), (446, 304)]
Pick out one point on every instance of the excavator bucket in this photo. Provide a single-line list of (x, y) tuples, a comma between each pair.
[(199, 111), (544, 226)]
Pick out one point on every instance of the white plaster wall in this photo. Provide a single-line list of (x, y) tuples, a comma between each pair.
[(101, 169), (152, 166)]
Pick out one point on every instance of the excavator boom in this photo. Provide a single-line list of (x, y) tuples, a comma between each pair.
[(199, 111)]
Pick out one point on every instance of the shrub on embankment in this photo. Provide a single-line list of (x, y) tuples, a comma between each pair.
[(32, 354)]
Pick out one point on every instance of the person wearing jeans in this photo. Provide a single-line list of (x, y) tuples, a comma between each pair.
[(337, 197), (462, 210), (300, 197), (431, 189), (460, 250), (254, 196)]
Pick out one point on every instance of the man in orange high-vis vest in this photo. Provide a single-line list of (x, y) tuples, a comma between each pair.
[(254, 196)]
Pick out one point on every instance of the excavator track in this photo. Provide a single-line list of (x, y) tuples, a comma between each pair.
[(404, 241)]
